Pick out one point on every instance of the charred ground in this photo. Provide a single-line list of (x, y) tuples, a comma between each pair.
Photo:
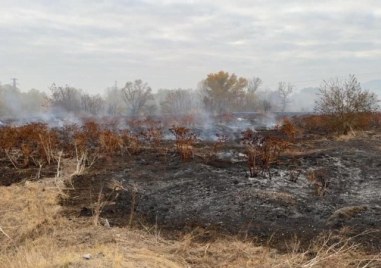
[(218, 193), (317, 183)]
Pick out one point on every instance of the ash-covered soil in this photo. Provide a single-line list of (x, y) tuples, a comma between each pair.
[(216, 191), (9, 174)]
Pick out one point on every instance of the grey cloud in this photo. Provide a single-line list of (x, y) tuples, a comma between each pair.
[(176, 43)]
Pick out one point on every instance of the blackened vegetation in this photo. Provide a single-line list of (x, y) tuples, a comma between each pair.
[(178, 195), (185, 140), (263, 150), (300, 183)]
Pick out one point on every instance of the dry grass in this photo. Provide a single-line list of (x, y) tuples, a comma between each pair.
[(280, 197), (35, 234), (38, 236), (359, 134), (346, 213), (350, 136)]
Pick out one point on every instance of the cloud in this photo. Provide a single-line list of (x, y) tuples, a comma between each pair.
[(173, 43)]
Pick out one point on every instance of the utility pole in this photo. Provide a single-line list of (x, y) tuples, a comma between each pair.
[(14, 82)]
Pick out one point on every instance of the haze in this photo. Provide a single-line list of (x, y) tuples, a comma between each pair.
[(172, 44)]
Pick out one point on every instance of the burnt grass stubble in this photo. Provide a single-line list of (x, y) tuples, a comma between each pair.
[(214, 191)]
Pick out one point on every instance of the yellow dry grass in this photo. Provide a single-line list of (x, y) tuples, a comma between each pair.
[(281, 197), (34, 234), (359, 134), (350, 136)]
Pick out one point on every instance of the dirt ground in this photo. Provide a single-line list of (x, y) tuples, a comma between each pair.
[(215, 191)]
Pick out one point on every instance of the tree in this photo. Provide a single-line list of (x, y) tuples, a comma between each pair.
[(178, 102), (92, 104), (136, 95), (223, 91), (251, 95), (14, 103), (33, 101), (114, 101), (66, 98), (254, 84), (285, 90), (266, 106), (344, 101)]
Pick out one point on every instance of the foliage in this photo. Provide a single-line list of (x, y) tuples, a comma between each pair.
[(221, 141), (262, 151), (289, 129), (148, 130), (344, 101), (325, 124), (33, 143), (131, 142), (185, 139), (110, 142), (319, 124), (251, 98), (223, 91)]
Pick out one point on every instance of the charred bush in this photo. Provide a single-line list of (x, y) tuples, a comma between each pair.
[(262, 151), (319, 180), (185, 140)]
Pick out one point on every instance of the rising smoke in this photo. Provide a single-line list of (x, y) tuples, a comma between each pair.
[(68, 105)]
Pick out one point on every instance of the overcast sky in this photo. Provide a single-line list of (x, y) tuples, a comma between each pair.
[(173, 43)]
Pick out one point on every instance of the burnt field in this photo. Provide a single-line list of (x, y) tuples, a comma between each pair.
[(235, 176)]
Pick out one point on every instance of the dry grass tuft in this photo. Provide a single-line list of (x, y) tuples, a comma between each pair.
[(350, 136), (25, 210), (346, 213), (337, 251), (37, 235), (281, 197)]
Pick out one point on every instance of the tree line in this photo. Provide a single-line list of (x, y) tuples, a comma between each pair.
[(218, 93)]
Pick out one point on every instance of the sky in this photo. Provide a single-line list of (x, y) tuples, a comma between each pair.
[(175, 44)]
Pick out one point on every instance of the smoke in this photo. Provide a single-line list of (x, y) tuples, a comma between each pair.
[(18, 105), (67, 105), (304, 100)]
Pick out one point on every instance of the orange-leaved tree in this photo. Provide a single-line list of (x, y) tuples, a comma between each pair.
[(224, 92)]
